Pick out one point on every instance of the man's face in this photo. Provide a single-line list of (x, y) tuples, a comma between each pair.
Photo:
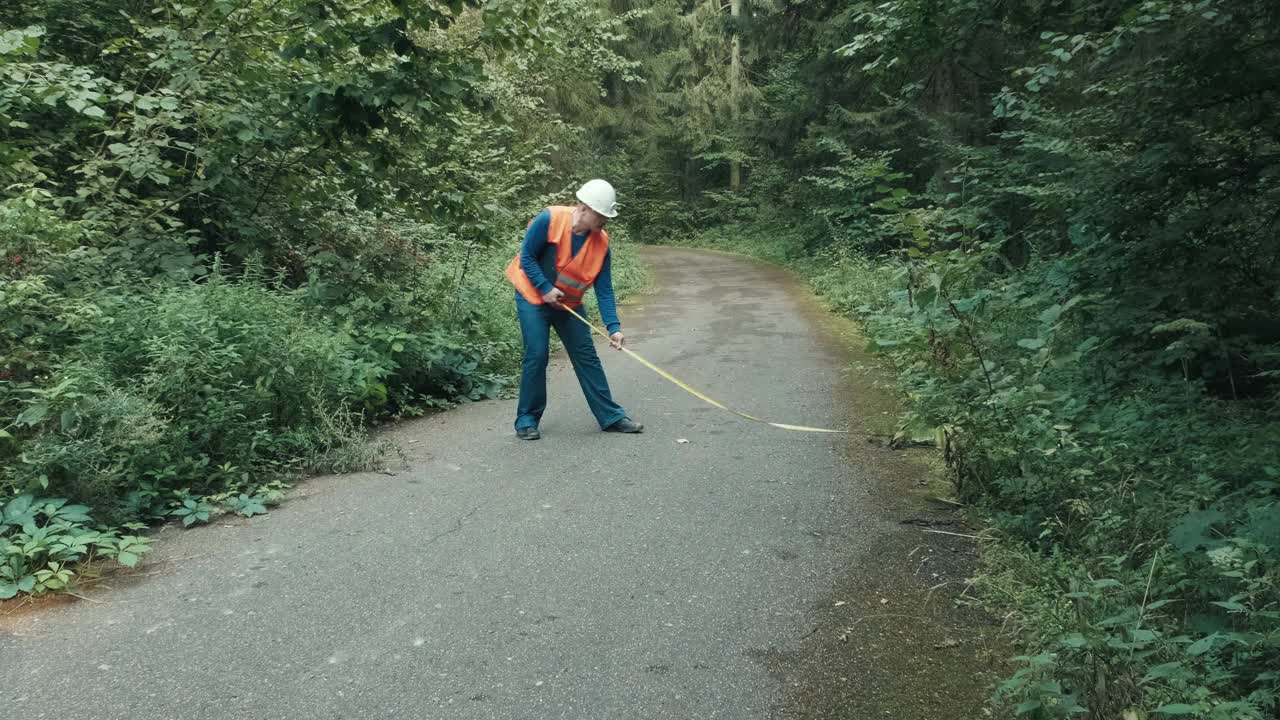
[(589, 220)]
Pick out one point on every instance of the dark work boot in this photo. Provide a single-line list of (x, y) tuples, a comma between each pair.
[(625, 425), (529, 433)]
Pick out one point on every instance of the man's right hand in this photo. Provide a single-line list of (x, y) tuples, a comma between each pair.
[(552, 298)]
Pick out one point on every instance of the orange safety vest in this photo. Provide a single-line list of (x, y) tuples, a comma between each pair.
[(574, 273)]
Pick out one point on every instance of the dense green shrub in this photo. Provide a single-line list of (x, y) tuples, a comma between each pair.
[(1139, 524), (174, 382)]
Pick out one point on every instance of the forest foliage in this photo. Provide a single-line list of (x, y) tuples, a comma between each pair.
[(234, 232), (1059, 220), (231, 231)]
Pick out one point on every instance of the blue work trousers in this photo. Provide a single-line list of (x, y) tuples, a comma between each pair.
[(536, 322)]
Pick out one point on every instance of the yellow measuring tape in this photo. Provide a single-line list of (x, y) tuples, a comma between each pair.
[(685, 386)]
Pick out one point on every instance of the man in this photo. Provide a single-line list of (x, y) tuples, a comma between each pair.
[(566, 252)]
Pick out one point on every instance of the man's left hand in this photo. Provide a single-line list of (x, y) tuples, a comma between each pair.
[(616, 340)]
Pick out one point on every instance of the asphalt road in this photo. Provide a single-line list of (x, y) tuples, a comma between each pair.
[(586, 575)]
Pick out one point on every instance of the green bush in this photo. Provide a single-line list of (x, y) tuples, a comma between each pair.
[(178, 381), (1139, 523), (49, 277)]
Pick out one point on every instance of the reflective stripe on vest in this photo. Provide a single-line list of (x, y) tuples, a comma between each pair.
[(572, 283), (575, 274)]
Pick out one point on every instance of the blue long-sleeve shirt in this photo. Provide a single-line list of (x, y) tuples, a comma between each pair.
[(538, 259)]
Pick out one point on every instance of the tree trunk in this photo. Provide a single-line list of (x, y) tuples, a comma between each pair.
[(735, 73)]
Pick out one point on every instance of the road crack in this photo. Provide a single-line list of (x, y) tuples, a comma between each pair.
[(457, 527)]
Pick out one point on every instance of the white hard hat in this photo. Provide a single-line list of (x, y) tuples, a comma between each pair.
[(599, 196)]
